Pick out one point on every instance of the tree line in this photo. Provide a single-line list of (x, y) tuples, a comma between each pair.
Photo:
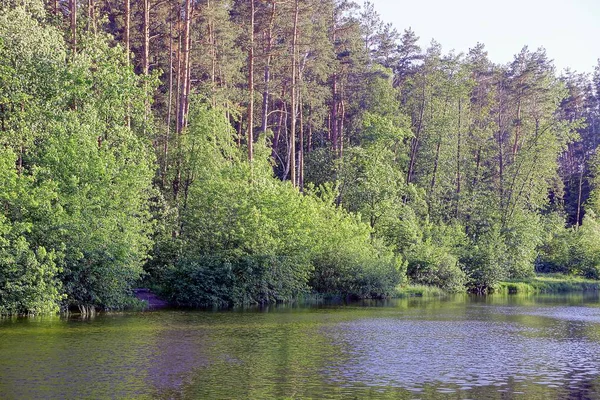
[(250, 151)]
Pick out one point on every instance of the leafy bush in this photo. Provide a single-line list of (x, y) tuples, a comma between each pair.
[(243, 236), (346, 259), (432, 253), (485, 261), (522, 238), (555, 250), (29, 281), (215, 280), (434, 266), (574, 251), (497, 251), (585, 248)]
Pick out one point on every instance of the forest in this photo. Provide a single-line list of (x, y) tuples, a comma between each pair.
[(228, 152)]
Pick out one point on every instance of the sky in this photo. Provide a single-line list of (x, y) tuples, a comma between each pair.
[(569, 30)]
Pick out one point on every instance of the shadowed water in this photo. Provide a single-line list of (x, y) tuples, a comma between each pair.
[(464, 347)]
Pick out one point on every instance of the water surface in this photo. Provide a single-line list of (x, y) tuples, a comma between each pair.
[(545, 347)]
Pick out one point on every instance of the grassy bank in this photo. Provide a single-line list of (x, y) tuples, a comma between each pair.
[(549, 283)]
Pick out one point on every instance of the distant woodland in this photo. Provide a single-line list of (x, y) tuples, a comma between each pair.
[(230, 152)]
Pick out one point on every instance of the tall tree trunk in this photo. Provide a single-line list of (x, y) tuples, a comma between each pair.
[(333, 119), (414, 143), (294, 100), (277, 135), (178, 74), (515, 148), (438, 145), (334, 96), (301, 153), (185, 68), (500, 160), (578, 221), (267, 75), (169, 104), (458, 152), (250, 117), (501, 164), (146, 59), (310, 134), (341, 127), (188, 73), (213, 52), (183, 75), (146, 42), (91, 16), (239, 132), (435, 163), (477, 166), (73, 12), (127, 30), (126, 39)]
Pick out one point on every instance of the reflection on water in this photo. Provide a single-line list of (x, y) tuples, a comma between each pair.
[(457, 355), (465, 347)]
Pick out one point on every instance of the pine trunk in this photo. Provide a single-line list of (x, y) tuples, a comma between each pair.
[(127, 30), (146, 43), (267, 75), (73, 12), (185, 68), (250, 116), (294, 100)]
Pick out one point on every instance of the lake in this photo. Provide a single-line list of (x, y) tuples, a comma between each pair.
[(463, 347)]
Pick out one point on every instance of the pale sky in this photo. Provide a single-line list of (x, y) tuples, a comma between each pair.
[(569, 30)]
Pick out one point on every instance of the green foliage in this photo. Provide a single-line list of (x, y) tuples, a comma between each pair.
[(381, 129), (245, 237), (522, 239), (585, 250), (320, 167), (85, 177), (515, 288), (584, 242), (433, 259), (495, 253), (204, 280), (346, 260), (485, 261), (102, 214), (371, 185), (574, 251), (32, 72), (555, 250), (29, 281)]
